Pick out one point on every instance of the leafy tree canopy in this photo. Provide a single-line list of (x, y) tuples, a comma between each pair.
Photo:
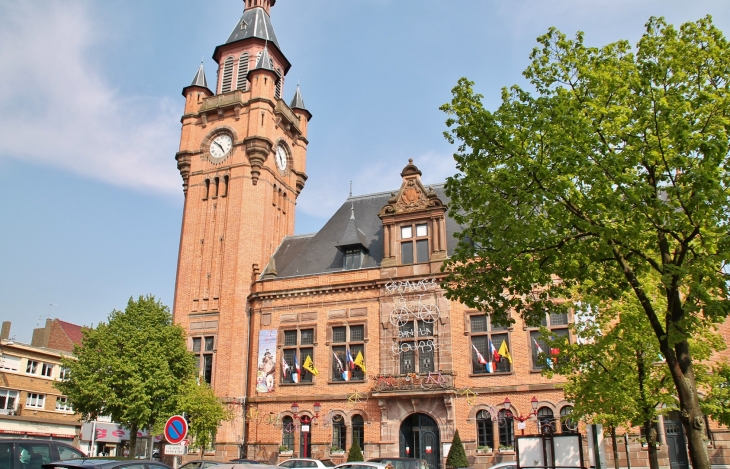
[(131, 368), (612, 170), (204, 412)]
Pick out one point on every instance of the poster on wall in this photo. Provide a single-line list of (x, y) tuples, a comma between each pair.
[(266, 372)]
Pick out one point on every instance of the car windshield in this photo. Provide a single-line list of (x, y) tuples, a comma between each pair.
[(399, 463), (328, 463)]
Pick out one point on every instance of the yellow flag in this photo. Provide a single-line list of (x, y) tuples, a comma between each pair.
[(504, 352), (309, 366), (360, 361)]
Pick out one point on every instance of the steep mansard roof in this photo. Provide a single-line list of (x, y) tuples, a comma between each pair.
[(318, 253), (254, 23)]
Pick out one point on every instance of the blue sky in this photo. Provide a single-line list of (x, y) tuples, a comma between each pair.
[(90, 106)]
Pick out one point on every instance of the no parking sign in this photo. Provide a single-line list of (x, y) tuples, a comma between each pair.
[(176, 429)]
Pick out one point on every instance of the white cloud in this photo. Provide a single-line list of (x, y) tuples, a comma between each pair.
[(56, 109)]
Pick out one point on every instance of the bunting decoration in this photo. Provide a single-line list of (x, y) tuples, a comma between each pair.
[(309, 366), (360, 361), (503, 351)]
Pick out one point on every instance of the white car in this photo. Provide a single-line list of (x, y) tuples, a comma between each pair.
[(361, 465), (304, 463)]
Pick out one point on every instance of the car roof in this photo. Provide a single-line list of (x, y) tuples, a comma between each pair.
[(98, 462), (363, 463), (394, 459)]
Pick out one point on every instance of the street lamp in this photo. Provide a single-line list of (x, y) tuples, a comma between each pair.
[(508, 413), (305, 421)]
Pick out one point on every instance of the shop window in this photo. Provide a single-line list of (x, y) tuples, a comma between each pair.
[(490, 351), (203, 348), (414, 243), (35, 400), (485, 429), (298, 346), (348, 338), (415, 345)]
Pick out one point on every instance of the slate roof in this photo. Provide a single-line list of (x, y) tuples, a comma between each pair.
[(317, 252), (264, 62), (298, 102), (199, 79), (255, 22)]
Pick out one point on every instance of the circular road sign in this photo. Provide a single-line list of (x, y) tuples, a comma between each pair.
[(176, 429)]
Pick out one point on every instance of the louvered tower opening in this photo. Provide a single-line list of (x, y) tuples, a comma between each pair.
[(227, 75), (279, 84), (242, 83)]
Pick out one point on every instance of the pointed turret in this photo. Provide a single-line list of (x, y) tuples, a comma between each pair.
[(264, 62), (199, 81), (352, 237), (297, 105)]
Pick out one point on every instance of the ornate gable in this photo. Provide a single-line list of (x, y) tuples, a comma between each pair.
[(412, 196)]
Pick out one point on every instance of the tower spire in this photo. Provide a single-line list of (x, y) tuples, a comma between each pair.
[(265, 4)]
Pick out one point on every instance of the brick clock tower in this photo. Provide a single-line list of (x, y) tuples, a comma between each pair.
[(242, 159)]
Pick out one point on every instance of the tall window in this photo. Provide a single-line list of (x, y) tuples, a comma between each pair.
[(414, 243), (546, 420), (506, 429), (203, 348), (47, 370), (242, 83), (344, 338), (36, 401), (358, 431), (352, 259), (227, 75), (32, 367), (558, 325), (416, 347), (339, 433), (482, 331), (485, 429), (8, 400), (287, 432), (567, 424), (297, 346)]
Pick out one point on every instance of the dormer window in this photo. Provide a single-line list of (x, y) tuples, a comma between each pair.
[(414, 243), (352, 258)]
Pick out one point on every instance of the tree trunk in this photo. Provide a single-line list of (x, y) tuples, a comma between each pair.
[(615, 447), (650, 432), (133, 440)]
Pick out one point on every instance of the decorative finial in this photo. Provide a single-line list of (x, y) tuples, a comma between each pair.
[(410, 160), (350, 188)]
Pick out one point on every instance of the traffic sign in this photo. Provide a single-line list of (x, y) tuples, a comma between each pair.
[(174, 450), (176, 429)]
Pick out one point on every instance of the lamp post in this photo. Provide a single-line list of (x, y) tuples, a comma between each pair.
[(508, 413), (305, 422)]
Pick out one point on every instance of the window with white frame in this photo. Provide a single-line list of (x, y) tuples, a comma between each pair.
[(47, 370), (64, 373), (63, 405), (8, 400), (35, 400), (32, 367), (9, 363), (414, 243)]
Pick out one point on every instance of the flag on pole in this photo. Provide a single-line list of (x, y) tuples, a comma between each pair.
[(503, 351), (360, 361), (309, 366), (350, 362), (480, 358), (539, 351), (493, 351), (339, 362), (296, 372), (284, 366)]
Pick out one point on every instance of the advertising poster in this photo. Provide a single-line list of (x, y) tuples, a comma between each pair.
[(266, 373)]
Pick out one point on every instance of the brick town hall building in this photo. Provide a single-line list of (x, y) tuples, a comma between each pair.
[(258, 301)]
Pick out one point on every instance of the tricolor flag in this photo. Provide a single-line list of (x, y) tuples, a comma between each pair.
[(503, 351), (350, 362), (540, 352), (296, 373), (284, 367), (493, 351), (480, 358)]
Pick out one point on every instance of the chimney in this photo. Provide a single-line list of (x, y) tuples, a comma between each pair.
[(5, 333)]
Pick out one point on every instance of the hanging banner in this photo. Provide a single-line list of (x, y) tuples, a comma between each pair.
[(266, 374)]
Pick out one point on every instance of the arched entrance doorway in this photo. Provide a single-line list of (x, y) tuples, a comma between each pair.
[(419, 438)]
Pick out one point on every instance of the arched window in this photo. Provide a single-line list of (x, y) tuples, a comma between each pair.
[(567, 425), (207, 189), (242, 83), (227, 75), (546, 419), (506, 429), (485, 429), (287, 432), (358, 431), (339, 432)]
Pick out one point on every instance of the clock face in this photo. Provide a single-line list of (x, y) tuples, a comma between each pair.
[(280, 158), (221, 146)]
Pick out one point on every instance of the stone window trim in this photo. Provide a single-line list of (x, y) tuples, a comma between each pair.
[(346, 323), (410, 235), (297, 348), (347, 343), (436, 226), (298, 328), (421, 358), (489, 332)]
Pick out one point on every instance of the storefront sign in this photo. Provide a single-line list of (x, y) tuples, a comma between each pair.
[(108, 433)]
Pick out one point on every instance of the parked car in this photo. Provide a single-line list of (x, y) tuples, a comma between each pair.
[(201, 464), (302, 463), (505, 465), (21, 453), (246, 461), (106, 463), (403, 463), (361, 465)]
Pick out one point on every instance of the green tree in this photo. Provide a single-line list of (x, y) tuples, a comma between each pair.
[(614, 168), (355, 453), (717, 402), (457, 456), (131, 368), (204, 412)]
